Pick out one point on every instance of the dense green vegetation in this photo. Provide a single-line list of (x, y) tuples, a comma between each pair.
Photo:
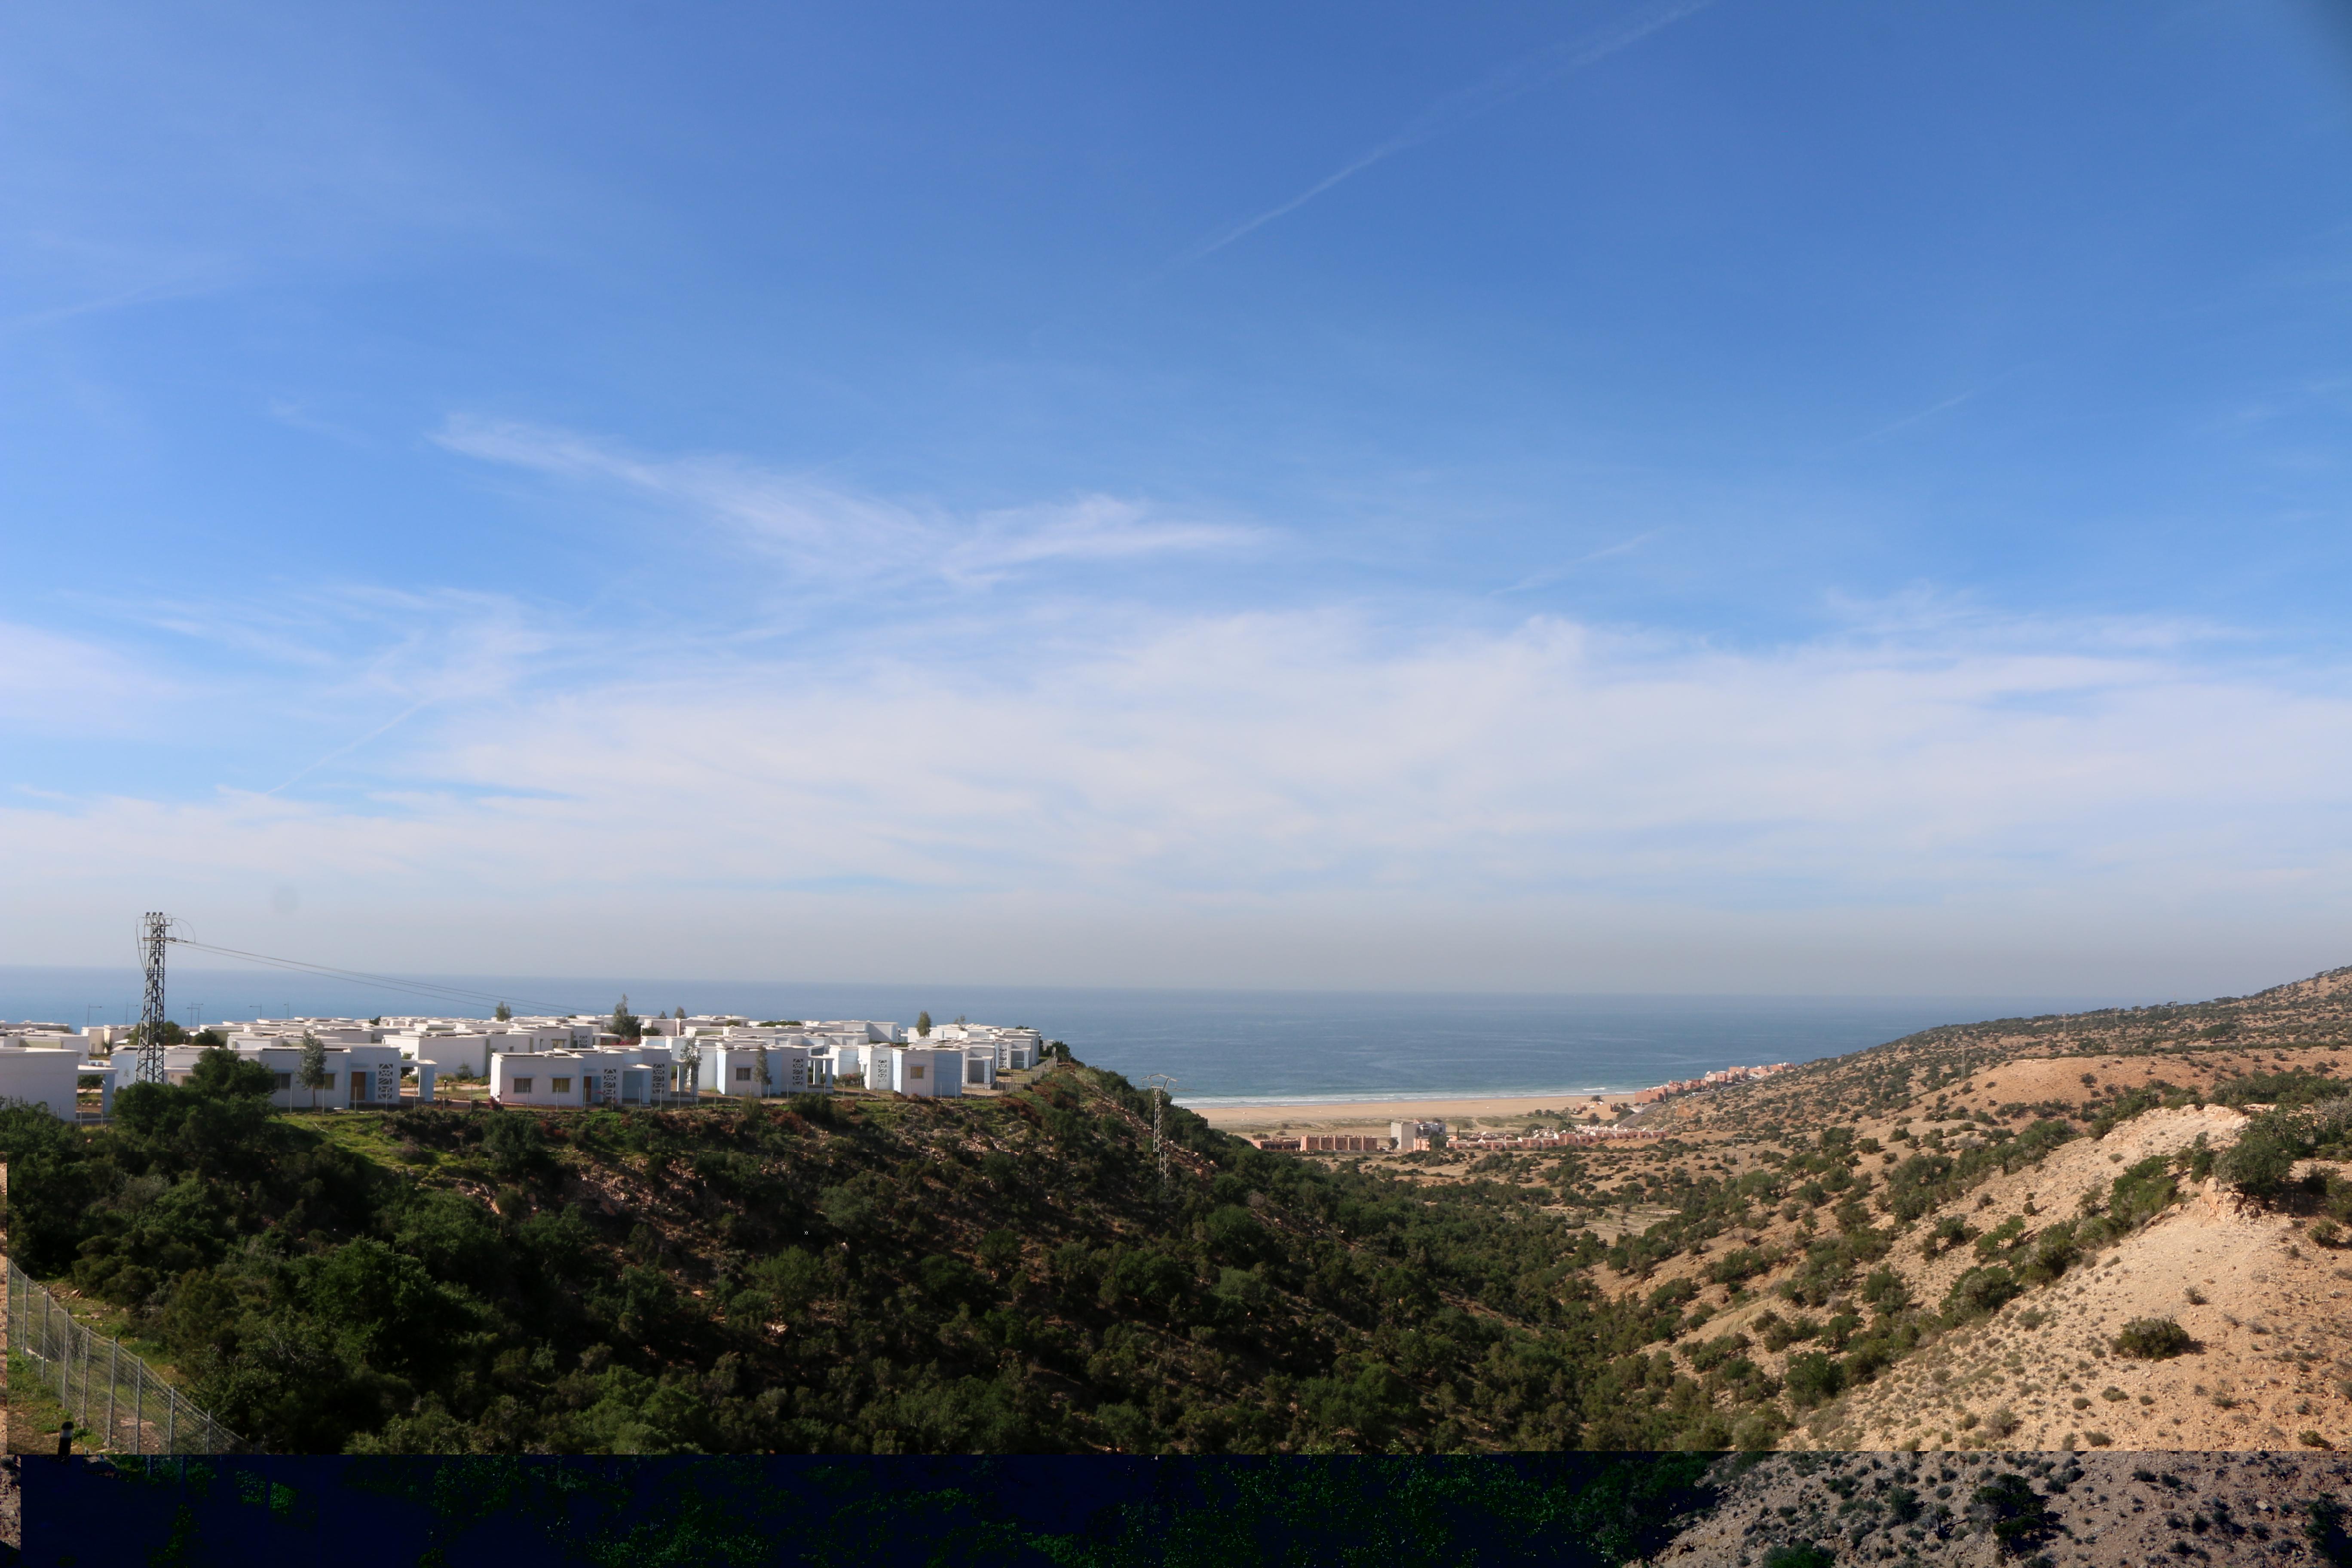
[(2261, 1162), (985, 1275), (1580, 1511)]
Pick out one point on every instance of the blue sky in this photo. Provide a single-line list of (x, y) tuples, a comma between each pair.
[(1594, 495)]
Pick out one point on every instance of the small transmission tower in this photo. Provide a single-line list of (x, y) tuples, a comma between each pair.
[(1165, 1085), (154, 936)]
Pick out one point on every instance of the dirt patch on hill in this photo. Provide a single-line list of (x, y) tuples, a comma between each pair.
[(2266, 1309)]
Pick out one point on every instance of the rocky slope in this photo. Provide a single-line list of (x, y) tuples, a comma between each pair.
[(2038, 1127), (2099, 1509)]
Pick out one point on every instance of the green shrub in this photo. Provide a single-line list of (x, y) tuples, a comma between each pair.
[(2291, 1087), (1674, 1293), (1744, 1263), (2054, 1250), (2259, 1163), (2152, 1338), (2018, 1514), (2000, 1240), (1950, 1231), (1709, 1355), (1759, 1430), (1867, 1359), (1981, 1290), (2141, 1193), (1884, 1290), (2324, 1527), (1814, 1379)]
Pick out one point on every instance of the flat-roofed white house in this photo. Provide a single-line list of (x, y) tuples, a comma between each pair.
[(919, 1070), (732, 1066), (641, 1073), (1016, 1046), (450, 1052), (359, 1076), (859, 1031), (42, 1075), (624, 1078), (979, 1066), (543, 1078)]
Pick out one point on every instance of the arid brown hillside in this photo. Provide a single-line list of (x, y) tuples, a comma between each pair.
[(1935, 1243), (2096, 1509), (2226, 1034)]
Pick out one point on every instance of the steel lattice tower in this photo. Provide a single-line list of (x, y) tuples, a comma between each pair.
[(157, 933), (1162, 1083)]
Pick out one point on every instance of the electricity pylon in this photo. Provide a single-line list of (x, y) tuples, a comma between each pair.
[(1165, 1085), (154, 937)]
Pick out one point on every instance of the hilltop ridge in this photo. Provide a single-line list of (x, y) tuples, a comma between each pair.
[(1936, 1242)]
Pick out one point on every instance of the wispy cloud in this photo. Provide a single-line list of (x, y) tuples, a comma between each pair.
[(1551, 574), (350, 746), (835, 535), (1203, 773), (52, 684), (1515, 80)]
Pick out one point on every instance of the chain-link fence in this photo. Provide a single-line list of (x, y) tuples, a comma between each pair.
[(115, 1401)]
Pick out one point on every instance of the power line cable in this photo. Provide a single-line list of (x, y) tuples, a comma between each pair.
[(424, 988)]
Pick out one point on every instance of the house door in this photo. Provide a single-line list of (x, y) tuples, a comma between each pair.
[(359, 1087)]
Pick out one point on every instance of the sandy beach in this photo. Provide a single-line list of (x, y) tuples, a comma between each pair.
[(1492, 1111)]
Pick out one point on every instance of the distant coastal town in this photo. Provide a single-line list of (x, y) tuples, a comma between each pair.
[(1721, 1078), (545, 1062), (552, 1062), (1582, 1127)]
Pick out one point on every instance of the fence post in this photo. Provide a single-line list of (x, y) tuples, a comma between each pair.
[(72, 1350)]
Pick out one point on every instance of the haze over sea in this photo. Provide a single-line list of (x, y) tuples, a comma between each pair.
[(1222, 1047)]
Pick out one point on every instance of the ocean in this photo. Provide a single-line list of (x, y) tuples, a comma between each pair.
[(1224, 1048)]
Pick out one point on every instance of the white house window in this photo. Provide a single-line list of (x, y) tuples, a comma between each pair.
[(522, 1086), (559, 1085), (285, 1081), (742, 1075), (914, 1072)]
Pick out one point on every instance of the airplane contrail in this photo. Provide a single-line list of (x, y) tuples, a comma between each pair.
[(1514, 81)]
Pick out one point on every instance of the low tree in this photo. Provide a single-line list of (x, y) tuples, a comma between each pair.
[(2154, 1339), (923, 1025), (626, 1024), (502, 1012), (2264, 1157), (312, 1071), (2020, 1516)]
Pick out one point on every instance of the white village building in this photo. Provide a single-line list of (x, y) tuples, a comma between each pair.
[(46, 1075), (379, 1062), (917, 1071)]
